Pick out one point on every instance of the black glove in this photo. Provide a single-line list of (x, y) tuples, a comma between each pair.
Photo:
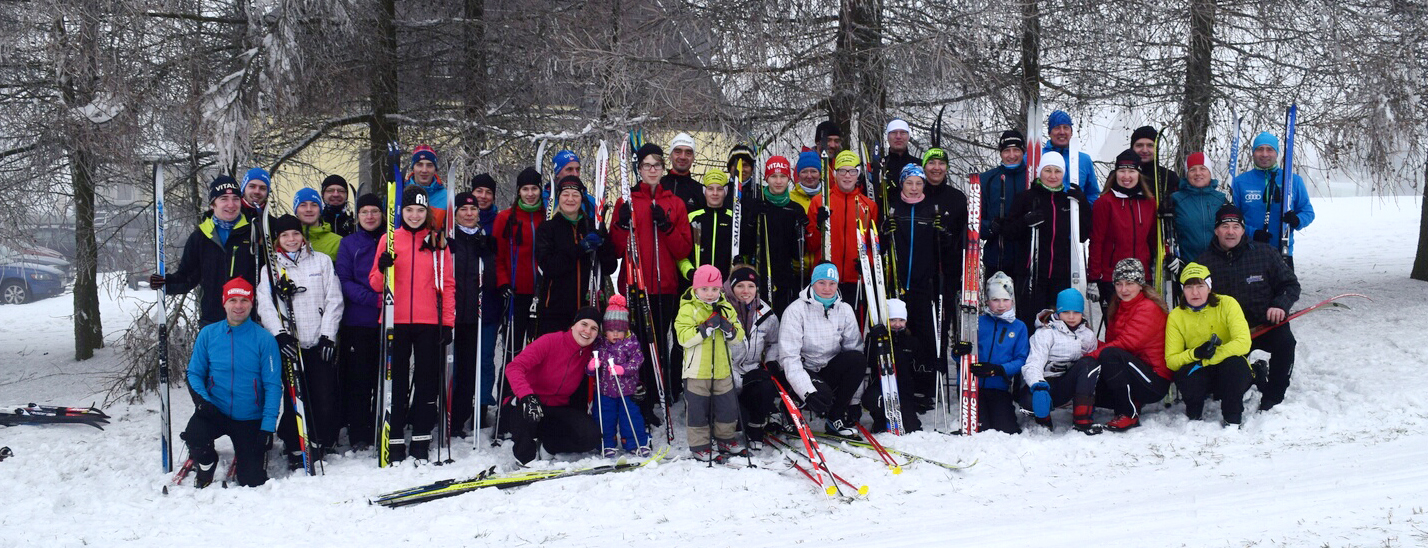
[(994, 228), (530, 406), (503, 291), (802, 221), (983, 370), (961, 348), (818, 401), (660, 218), (823, 215), (327, 349), (1032, 219), (591, 242), (286, 288), (708, 326), (1261, 236), (265, 438), (483, 242), (288, 346), (445, 335), (726, 326), (889, 226), (622, 218), (1166, 210), (386, 260), (1292, 219), (1206, 350), (205, 408), (156, 282)]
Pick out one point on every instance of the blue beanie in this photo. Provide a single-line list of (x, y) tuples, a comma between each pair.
[(824, 271), (1070, 300), (1058, 118), (256, 174), (807, 159), (1265, 138), (911, 170), (306, 194), (561, 158)]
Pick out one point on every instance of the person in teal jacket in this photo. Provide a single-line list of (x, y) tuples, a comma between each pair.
[(1195, 205), (234, 377), (1002, 347), (1259, 189)]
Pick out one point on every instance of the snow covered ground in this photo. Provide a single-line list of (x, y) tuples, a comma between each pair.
[(1340, 463)]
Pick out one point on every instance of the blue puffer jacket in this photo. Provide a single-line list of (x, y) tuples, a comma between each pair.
[(236, 369), (362, 306), (1249, 189), (1002, 340), (1000, 185), (1087, 178), (1195, 217)]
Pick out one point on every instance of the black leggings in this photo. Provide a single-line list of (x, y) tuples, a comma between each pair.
[(1127, 382), (1227, 380)]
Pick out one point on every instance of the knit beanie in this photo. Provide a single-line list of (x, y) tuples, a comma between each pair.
[(587, 313), (1070, 300), (1013, 138), (1000, 286), (285, 223), (333, 180), (897, 310), (222, 185), (617, 316), (846, 158), (424, 152), (257, 174), (897, 124), (911, 170), (1194, 159), (237, 287), (1195, 271), (707, 276), (1229, 213), (1128, 158), (809, 158), (934, 154), (414, 195), (682, 140), (777, 164), (485, 181), (1129, 269), (570, 182), (368, 199), (1049, 159), (1143, 132), (716, 177), (1058, 118), (826, 129), (306, 194), (561, 159), (740, 152), (464, 199), (743, 273), (1265, 139), (824, 271), (649, 149), (527, 177)]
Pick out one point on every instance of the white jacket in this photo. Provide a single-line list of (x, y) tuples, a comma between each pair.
[(1054, 343), (811, 335), (317, 307), (760, 344)]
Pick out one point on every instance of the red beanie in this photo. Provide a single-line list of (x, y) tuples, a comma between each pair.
[(237, 287), (1194, 159), (777, 164)]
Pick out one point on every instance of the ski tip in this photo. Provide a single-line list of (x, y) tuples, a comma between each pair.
[(831, 490), (863, 491), (896, 470)]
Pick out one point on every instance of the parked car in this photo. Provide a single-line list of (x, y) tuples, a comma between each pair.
[(22, 282), (36, 255)]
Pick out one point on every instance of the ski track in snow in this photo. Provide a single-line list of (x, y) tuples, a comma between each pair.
[(1340, 463)]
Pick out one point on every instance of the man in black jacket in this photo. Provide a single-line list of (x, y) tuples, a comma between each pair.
[(218, 250), (1255, 275)]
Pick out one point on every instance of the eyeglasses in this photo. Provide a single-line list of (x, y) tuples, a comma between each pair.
[(848, 171), (652, 166)]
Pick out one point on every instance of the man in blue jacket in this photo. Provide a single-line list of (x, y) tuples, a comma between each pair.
[(1000, 185), (1059, 131), (1259, 195), (234, 377)]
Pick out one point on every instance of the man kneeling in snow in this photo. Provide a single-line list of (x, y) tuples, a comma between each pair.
[(235, 381)]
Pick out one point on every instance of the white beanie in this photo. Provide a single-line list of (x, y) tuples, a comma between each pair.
[(897, 310), (999, 286), (1052, 158), (682, 140), (896, 124)]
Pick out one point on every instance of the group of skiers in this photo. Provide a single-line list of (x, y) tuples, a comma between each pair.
[(748, 288)]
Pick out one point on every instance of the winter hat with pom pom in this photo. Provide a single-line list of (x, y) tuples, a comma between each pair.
[(617, 316)]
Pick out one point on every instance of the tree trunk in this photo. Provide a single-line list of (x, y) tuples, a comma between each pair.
[(1420, 259), (1030, 59), (1199, 85), (381, 130), (857, 75), (88, 331), (475, 76)]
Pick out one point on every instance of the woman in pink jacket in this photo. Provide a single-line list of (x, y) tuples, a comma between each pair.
[(548, 391), (424, 307)]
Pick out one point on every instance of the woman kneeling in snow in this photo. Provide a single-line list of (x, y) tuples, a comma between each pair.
[(1132, 359), (1206, 340), (544, 378)]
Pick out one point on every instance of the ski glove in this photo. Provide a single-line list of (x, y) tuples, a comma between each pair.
[(446, 337), (1033, 218), (1261, 236), (288, 346), (386, 260), (1173, 267), (818, 401), (961, 348), (660, 218), (994, 228), (823, 215), (1093, 292), (1206, 350), (205, 408), (530, 406), (889, 226), (503, 292), (591, 242), (1041, 399), (622, 218), (726, 326), (706, 329), (617, 370), (156, 282), (1292, 219), (327, 349), (983, 370)]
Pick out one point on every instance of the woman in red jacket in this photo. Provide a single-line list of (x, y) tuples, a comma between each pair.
[(514, 235), (547, 403), (1132, 358), (1122, 226), (417, 299)]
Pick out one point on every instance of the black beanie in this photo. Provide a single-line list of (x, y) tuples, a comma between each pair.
[(587, 313), (826, 129), (1142, 132), (464, 199), (1228, 213), (647, 150), (740, 151), (415, 195), (368, 199), (570, 181), (485, 181), (223, 184), (527, 177), (333, 180), (1128, 158), (743, 273), (284, 224), (1011, 138)]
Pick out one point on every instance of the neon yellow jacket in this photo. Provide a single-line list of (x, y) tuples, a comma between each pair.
[(705, 358), (1186, 329)]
